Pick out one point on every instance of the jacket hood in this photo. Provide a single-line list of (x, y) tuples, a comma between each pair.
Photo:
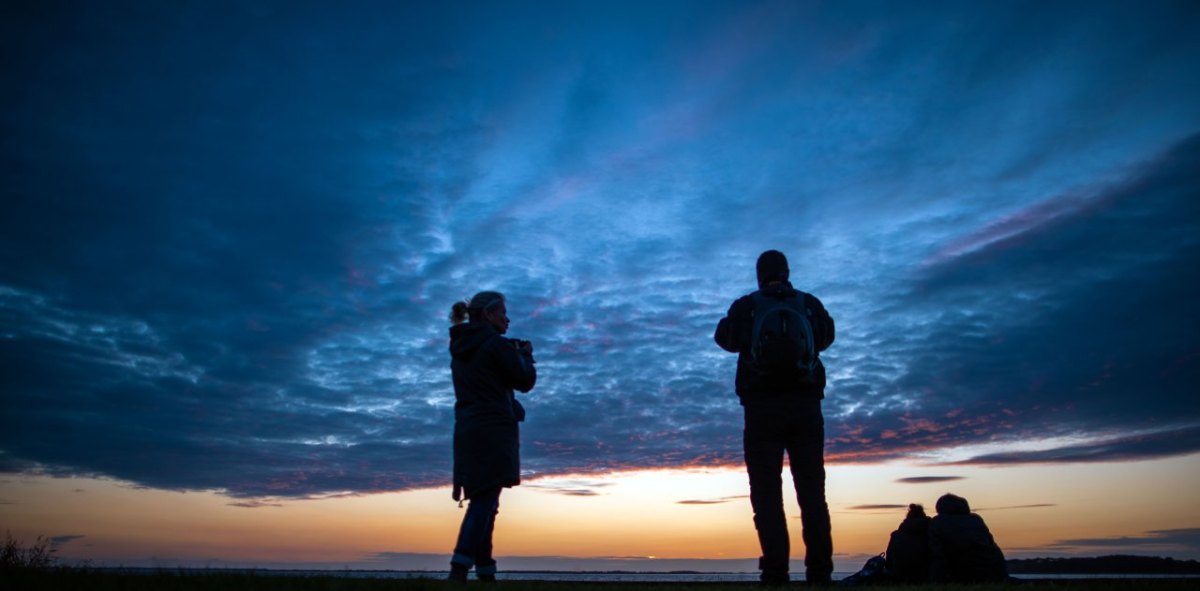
[(781, 289), (953, 505), (466, 339)]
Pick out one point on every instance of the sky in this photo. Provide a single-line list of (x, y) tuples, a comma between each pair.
[(232, 233)]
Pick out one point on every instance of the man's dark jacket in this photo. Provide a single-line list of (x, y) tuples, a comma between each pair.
[(961, 549), (734, 333), (486, 368), (908, 551)]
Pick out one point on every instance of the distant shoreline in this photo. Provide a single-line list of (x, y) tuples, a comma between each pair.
[(601, 577), (1118, 564), (218, 579), (1114, 566)]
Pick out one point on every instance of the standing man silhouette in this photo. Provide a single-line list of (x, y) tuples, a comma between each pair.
[(777, 333)]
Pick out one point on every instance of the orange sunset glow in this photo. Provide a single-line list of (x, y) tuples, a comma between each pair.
[(665, 514)]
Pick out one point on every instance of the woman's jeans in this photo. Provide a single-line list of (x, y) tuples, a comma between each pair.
[(474, 547)]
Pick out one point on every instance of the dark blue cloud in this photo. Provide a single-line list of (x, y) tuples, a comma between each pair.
[(1086, 302), (231, 233), (1169, 541), (1128, 448)]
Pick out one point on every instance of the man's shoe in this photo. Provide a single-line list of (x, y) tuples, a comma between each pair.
[(773, 579), (819, 581), (487, 578), (458, 573)]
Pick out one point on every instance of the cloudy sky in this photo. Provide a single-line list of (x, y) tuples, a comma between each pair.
[(231, 232)]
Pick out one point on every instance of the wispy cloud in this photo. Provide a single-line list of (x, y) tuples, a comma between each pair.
[(718, 501), (927, 479), (1031, 506), (573, 487), (57, 542), (255, 504)]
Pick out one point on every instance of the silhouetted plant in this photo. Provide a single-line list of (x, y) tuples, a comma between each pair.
[(14, 555)]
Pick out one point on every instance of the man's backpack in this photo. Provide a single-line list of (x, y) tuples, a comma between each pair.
[(782, 339)]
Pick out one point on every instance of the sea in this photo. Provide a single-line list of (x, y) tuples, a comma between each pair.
[(603, 577)]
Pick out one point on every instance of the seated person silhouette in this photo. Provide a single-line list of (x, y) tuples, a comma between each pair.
[(908, 548), (961, 548)]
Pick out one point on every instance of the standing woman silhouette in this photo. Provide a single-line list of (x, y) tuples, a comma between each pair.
[(486, 368)]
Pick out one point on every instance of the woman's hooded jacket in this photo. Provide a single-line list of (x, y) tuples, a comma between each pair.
[(908, 550), (486, 368)]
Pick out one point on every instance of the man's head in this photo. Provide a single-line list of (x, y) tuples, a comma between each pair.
[(772, 267)]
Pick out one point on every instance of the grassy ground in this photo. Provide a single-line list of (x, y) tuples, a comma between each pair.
[(88, 580)]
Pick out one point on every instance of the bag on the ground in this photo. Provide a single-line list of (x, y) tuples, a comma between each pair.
[(872, 573), (782, 338)]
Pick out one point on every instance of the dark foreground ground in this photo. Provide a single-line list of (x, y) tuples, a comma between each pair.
[(86, 580)]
